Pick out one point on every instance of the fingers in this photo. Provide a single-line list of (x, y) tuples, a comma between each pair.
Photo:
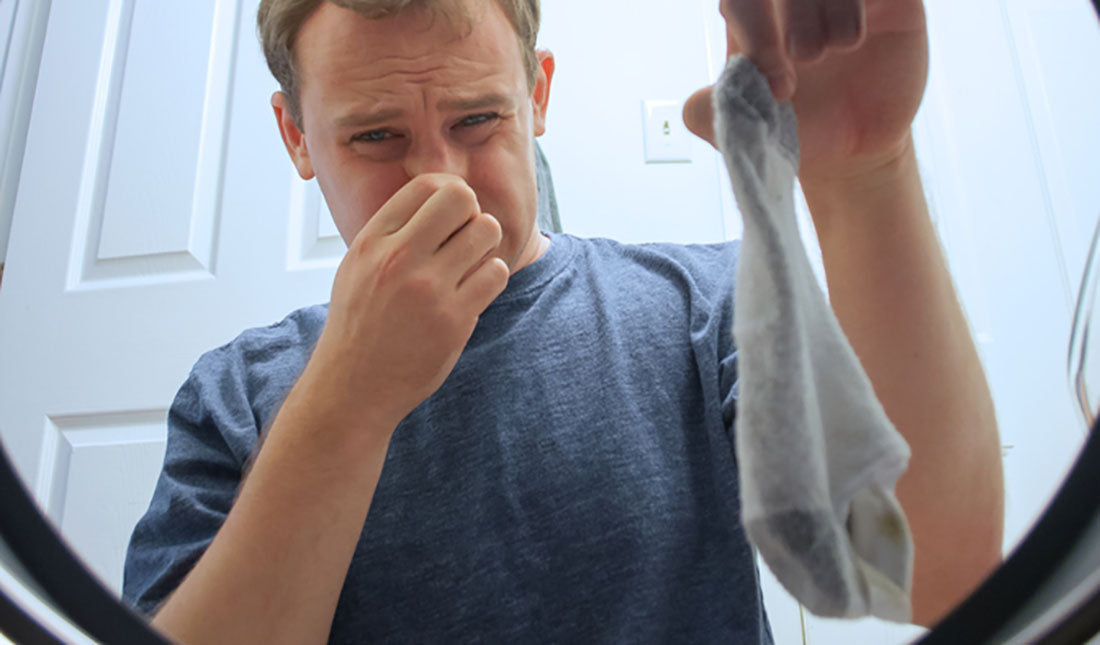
[(422, 214), (805, 29), (778, 34), (814, 26), (845, 23), (436, 219), (470, 246), (485, 283), (449, 208), (752, 28), (399, 209)]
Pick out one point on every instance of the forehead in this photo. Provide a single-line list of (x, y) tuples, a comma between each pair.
[(337, 47)]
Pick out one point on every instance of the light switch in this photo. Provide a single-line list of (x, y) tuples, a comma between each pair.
[(667, 140)]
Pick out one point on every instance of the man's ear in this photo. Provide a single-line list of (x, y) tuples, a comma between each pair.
[(540, 98), (293, 137)]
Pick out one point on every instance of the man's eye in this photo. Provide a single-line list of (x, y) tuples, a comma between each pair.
[(374, 136), (478, 119)]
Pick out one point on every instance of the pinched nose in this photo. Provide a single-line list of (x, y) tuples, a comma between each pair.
[(435, 155)]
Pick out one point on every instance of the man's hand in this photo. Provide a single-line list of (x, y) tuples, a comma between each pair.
[(406, 299), (854, 69)]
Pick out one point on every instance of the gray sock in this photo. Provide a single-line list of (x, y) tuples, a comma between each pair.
[(818, 457)]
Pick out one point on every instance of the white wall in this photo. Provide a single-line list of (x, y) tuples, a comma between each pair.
[(611, 56)]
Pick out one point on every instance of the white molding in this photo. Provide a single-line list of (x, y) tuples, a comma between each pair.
[(20, 75)]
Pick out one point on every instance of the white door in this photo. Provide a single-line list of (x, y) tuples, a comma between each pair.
[(157, 217)]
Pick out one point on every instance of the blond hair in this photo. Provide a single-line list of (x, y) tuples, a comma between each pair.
[(279, 21)]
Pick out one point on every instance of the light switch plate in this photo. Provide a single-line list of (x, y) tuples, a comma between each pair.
[(667, 139)]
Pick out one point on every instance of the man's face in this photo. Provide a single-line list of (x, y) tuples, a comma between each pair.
[(384, 101)]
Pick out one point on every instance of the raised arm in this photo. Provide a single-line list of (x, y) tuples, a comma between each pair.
[(399, 318), (892, 294), (855, 71)]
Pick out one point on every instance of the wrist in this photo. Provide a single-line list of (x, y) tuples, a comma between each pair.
[(325, 405), (866, 193), (864, 185)]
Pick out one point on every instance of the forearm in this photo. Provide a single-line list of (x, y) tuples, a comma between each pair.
[(274, 572), (893, 295)]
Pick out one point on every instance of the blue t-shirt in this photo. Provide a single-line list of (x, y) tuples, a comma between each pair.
[(572, 480)]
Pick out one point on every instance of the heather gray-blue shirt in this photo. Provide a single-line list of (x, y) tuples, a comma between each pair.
[(572, 480)]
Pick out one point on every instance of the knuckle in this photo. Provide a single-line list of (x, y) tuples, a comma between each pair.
[(421, 288), (490, 226), (361, 246), (499, 270), (429, 185), (424, 186), (430, 181), (392, 264), (368, 252), (461, 195)]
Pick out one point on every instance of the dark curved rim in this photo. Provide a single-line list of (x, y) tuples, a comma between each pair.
[(18, 627), (1057, 533), (1079, 626), (70, 585)]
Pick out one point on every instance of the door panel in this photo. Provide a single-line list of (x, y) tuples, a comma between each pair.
[(98, 472)]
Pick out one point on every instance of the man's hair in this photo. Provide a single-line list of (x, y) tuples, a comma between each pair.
[(279, 21)]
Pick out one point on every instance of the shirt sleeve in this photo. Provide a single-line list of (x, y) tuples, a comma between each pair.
[(196, 488), (214, 427), (728, 384), (725, 277)]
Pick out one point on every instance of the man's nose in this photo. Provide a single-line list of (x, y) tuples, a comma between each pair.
[(435, 154)]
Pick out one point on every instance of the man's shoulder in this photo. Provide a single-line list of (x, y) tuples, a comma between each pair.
[(706, 265), (233, 390), (615, 246), (264, 355), (296, 332), (690, 255)]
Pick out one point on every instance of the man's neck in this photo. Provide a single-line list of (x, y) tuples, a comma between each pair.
[(536, 247)]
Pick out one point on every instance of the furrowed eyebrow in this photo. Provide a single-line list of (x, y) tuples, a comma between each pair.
[(361, 120), (369, 119), (475, 103)]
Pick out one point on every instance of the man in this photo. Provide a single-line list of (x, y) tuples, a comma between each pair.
[(553, 414)]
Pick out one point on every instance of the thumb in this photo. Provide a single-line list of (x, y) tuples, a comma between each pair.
[(699, 115)]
